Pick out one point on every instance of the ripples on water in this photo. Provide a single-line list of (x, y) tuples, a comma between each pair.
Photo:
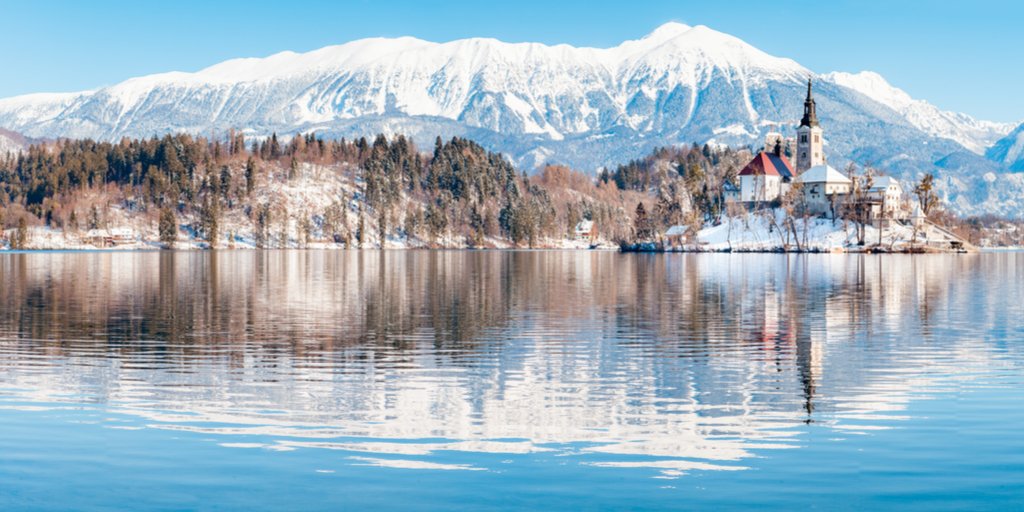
[(510, 379)]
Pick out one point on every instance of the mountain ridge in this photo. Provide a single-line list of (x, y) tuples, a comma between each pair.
[(586, 107)]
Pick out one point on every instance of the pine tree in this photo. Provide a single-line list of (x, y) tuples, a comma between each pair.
[(210, 219), (262, 225), (360, 227), (225, 182), (641, 223), (168, 227), (250, 176)]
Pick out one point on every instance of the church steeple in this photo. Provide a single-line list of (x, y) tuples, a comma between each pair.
[(810, 143), (810, 116)]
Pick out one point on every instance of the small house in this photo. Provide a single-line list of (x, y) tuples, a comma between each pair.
[(676, 236), (110, 237), (585, 231)]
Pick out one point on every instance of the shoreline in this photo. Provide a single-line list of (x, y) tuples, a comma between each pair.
[(513, 249)]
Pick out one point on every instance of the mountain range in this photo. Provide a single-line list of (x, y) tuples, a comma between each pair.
[(585, 107)]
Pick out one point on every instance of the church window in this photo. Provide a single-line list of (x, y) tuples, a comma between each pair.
[(803, 138), (816, 138)]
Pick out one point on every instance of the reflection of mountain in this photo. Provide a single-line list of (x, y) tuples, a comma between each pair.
[(688, 361)]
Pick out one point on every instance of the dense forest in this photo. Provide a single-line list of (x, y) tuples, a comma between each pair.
[(308, 190), (275, 191)]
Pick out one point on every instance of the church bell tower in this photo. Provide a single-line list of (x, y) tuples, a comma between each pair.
[(809, 137)]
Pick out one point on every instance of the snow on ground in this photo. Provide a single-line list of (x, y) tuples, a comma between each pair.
[(759, 233), (309, 194)]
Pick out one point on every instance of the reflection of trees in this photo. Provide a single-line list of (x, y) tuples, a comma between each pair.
[(677, 355), (782, 309)]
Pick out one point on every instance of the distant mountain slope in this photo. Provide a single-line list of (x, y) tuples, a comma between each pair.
[(1009, 150), (586, 107), (973, 134), (11, 142)]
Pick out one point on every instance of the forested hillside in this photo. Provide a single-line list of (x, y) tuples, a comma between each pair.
[(308, 190)]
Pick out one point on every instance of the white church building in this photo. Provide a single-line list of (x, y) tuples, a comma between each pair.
[(769, 175)]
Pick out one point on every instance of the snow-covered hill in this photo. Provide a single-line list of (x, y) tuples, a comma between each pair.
[(11, 142), (587, 107)]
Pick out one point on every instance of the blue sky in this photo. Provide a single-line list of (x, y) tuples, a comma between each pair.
[(962, 56)]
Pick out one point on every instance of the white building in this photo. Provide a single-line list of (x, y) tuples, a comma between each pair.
[(765, 178), (675, 236), (889, 191), (821, 186), (585, 231)]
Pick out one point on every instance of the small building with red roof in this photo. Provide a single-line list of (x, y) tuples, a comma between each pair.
[(765, 178)]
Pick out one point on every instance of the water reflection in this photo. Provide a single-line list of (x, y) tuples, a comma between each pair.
[(674, 363)]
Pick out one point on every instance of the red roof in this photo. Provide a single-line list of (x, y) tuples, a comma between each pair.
[(768, 165)]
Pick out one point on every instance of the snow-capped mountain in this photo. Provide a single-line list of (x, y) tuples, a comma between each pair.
[(587, 107), (970, 133)]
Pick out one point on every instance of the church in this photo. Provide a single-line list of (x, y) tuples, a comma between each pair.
[(769, 175)]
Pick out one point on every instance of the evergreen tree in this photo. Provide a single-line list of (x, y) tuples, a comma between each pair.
[(210, 220), (262, 226), (250, 176), (168, 227), (641, 223), (225, 182), (360, 228)]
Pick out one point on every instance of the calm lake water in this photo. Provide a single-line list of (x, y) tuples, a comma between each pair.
[(506, 380)]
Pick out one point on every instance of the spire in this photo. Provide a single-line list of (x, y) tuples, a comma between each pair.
[(810, 116)]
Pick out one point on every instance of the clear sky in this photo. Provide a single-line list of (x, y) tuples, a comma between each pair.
[(963, 56)]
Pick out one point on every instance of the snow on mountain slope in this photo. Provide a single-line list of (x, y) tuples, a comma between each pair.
[(11, 142), (658, 84), (586, 107), (973, 134), (1009, 150)]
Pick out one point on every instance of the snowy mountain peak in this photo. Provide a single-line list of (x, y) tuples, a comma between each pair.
[(667, 31), (874, 86), (586, 107), (970, 133)]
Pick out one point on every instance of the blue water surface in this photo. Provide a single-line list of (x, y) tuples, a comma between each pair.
[(297, 380)]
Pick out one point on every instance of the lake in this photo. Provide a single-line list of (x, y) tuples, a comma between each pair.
[(350, 380)]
